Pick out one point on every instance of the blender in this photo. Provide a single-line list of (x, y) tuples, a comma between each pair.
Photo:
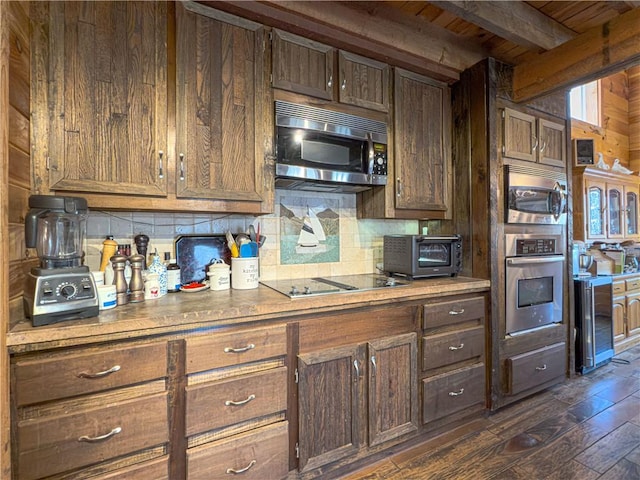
[(61, 288)]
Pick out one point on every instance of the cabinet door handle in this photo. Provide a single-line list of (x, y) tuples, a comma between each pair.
[(459, 347), (356, 365), (543, 367), (543, 146), (242, 470), (330, 82), (399, 189), (100, 438), (455, 394), (160, 169), (231, 403), (456, 312), (535, 144), (239, 350), (182, 166), (344, 84), (374, 364), (104, 373)]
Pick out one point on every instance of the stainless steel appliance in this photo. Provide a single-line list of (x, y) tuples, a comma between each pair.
[(421, 256), (534, 274), (535, 195), (61, 288), (306, 287), (594, 322), (324, 150)]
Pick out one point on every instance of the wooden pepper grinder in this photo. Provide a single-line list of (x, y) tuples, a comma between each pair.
[(136, 285), (119, 262), (142, 241)]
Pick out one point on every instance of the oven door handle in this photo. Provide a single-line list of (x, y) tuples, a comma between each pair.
[(535, 260)]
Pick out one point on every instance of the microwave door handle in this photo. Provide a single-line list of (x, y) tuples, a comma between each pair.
[(535, 260), (371, 152)]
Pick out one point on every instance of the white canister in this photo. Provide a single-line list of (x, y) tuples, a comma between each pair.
[(218, 276), (152, 286), (107, 297), (244, 272), (98, 277)]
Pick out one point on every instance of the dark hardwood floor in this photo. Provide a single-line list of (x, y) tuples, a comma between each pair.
[(583, 429)]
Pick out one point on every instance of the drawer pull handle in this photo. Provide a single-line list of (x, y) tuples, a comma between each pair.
[(239, 350), (230, 403), (104, 373), (543, 367), (100, 438), (459, 347), (455, 394), (456, 312), (242, 470)]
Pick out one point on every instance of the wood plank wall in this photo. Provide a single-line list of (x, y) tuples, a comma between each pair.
[(612, 137), (634, 117), (16, 184)]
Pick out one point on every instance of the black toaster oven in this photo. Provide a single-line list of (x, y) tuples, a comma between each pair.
[(421, 256)]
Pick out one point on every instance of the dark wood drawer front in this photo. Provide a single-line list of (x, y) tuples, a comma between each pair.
[(262, 454), (156, 469), (447, 313), (448, 348), (218, 404), (59, 443), (449, 393), (226, 349), (534, 368), (41, 380)]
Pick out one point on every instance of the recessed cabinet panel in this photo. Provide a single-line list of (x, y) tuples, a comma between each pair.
[(363, 82), (552, 144), (596, 202), (615, 211)]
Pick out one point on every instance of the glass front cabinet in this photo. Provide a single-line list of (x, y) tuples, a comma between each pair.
[(605, 205)]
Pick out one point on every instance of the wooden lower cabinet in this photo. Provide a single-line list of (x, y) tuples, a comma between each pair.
[(537, 367), (256, 455), (626, 312), (346, 391)]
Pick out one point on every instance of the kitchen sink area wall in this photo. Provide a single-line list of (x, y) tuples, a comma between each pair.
[(359, 240)]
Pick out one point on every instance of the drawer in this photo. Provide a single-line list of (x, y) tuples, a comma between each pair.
[(66, 375), (632, 284), (448, 348), (257, 455), (445, 394), (226, 349), (58, 443), (618, 286), (156, 469), (456, 311), (534, 368), (217, 404)]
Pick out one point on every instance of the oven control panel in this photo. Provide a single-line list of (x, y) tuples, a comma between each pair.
[(535, 246)]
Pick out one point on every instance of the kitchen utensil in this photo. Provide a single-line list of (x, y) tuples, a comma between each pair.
[(249, 250), (242, 238), (252, 233)]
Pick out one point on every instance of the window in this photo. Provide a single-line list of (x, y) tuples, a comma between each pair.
[(585, 103)]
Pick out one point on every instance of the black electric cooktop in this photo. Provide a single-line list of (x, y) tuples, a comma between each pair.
[(304, 287)]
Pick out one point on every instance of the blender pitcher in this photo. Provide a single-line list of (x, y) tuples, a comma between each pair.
[(55, 226)]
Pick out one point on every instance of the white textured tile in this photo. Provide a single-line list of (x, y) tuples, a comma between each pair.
[(98, 225), (122, 227), (202, 224), (164, 225), (143, 222)]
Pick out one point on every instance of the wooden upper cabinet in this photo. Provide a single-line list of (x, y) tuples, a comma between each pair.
[(422, 145), (302, 65), (219, 115), (107, 90), (363, 82), (527, 137)]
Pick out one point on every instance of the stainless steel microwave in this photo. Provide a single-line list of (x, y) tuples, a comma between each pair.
[(421, 256), (535, 195), (323, 150)]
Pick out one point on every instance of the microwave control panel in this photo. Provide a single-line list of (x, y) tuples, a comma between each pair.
[(379, 166)]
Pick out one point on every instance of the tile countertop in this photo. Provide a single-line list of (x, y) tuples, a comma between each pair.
[(182, 311)]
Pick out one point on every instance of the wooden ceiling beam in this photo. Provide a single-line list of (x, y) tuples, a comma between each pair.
[(369, 29), (515, 21), (598, 52)]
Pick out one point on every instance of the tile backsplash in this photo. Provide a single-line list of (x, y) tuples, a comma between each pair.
[(360, 241)]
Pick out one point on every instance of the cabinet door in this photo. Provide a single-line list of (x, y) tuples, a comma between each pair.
[(631, 194), (393, 408), (552, 143), (107, 97), (615, 211), (219, 91), (302, 65), (422, 143), (331, 405), (618, 311), (519, 135), (633, 314), (363, 82), (595, 204)]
